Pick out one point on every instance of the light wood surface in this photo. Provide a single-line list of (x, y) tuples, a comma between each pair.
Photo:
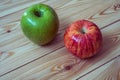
[(20, 59), (109, 71)]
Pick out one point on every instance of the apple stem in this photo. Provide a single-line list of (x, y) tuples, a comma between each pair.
[(82, 31), (38, 14)]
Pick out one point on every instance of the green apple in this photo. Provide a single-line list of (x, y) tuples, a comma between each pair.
[(40, 23)]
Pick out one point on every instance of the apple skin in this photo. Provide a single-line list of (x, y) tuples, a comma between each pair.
[(40, 23), (83, 39)]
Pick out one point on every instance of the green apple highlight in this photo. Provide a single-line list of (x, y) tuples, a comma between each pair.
[(40, 23)]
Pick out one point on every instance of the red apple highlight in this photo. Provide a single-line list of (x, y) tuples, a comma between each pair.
[(83, 39)]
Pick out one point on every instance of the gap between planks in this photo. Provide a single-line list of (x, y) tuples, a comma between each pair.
[(98, 67), (109, 71)]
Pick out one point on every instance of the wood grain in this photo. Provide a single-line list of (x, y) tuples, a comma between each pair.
[(21, 59), (62, 65), (110, 71)]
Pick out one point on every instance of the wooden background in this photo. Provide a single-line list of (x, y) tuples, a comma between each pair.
[(20, 59)]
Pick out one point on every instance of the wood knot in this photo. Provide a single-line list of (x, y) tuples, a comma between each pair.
[(5, 55), (57, 68), (116, 6), (68, 67), (8, 31)]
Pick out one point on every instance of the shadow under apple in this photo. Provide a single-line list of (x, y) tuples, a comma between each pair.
[(110, 44)]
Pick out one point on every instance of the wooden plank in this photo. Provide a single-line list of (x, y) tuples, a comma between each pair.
[(66, 13), (62, 65), (17, 51), (109, 71), (17, 9), (13, 6)]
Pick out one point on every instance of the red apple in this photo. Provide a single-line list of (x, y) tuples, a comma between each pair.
[(83, 39)]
